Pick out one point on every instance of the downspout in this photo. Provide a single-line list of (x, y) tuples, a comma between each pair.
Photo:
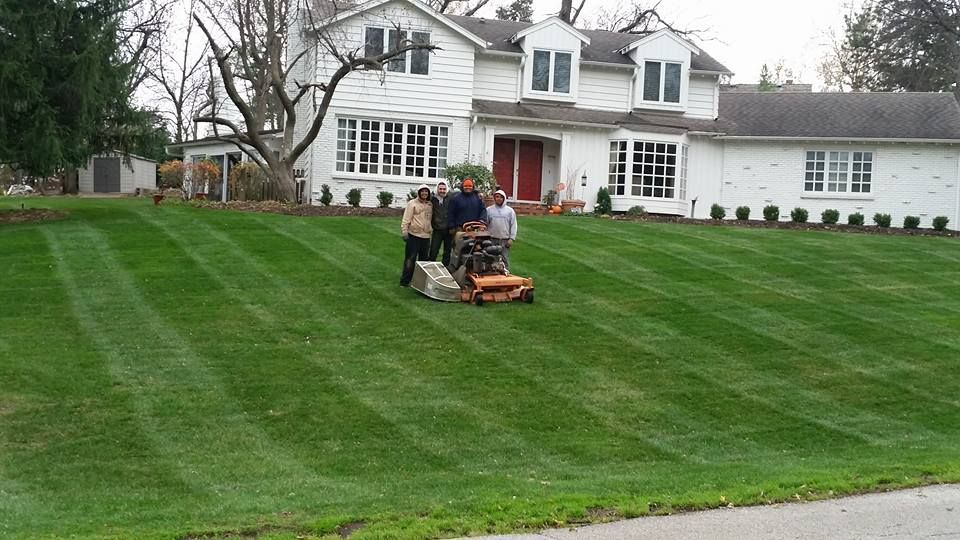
[(630, 91), (523, 62), (473, 122)]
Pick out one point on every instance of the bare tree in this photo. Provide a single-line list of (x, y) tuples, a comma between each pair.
[(256, 32), (467, 8), (639, 17), (179, 75)]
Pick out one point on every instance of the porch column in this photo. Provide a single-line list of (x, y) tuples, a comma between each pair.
[(565, 159), (487, 155)]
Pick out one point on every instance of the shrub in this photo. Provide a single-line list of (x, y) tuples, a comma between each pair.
[(604, 204), (353, 197), (830, 216), (203, 175), (483, 180), (325, 196), (771, 213), (940, 223), (411, 195), (172, 173), (882, 220), (911, 222), (717, 211), (743, 213), (799, 215), (550, 199), (384, 199), (855, 219), (637, 211)]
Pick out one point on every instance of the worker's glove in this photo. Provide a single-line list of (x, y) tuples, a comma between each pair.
[(509, 243), (453, 230), (406, 236)]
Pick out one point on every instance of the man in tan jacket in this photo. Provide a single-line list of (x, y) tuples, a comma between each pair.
[(416, 229)]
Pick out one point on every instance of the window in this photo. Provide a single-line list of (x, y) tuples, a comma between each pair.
[(838, 172), (552, 71), (416, 62), (657, 169), (618, 168), (661, 82), (391, 148)]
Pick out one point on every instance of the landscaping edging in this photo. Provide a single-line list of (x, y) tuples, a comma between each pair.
[(30, 215), (763, 224)]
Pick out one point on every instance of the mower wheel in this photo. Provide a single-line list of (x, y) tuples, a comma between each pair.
[(478, 301), (527, 296)]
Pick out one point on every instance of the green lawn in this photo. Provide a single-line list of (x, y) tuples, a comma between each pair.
[(169, 372)]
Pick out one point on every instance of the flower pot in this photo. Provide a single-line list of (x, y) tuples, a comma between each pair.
[(570, 204), (200, 196), (157, 198)]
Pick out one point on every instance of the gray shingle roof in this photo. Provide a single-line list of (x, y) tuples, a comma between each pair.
[(853, 115), (659, 123), (603, 45)]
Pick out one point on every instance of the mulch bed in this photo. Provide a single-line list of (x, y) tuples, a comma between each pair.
[(274, 207), (30, 215), (762, 224)]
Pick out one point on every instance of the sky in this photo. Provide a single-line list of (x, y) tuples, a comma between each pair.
[(745, 34)]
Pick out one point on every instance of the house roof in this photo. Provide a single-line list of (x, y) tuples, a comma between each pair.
[(430, 12), (225, 139), (565, 114), (900, 115), (604, 46), (550, 21)]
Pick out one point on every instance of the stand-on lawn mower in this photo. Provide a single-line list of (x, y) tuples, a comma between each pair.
[(476, 274)]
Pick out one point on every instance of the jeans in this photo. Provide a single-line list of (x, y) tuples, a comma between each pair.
[(439, 237), (416, 249)]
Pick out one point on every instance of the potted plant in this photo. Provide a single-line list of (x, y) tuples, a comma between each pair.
[(570, 203), (550, 201)]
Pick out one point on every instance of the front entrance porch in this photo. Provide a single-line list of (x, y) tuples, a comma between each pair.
[(526, 167)]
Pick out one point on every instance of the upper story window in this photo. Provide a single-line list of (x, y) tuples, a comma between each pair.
[(551, 71), (661, 81), (838, 172), (380, 40)]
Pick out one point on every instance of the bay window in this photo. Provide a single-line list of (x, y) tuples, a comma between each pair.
[(656, 169), (391, 148)]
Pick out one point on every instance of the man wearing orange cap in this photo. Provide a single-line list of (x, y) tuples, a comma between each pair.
[(466, 207)]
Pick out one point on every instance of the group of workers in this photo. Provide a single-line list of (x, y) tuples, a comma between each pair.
[(431, 221)]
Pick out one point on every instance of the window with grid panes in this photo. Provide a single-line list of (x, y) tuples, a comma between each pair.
[(416, 149), (391, 148), (654, 170), (437, 150), (617, 180), (369, 158), (815, 172), (346, 144), (861, 172)]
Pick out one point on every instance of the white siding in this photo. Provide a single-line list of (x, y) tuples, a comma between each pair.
[(144, 174), (324, 158), (705, 174), (447, 90), (495, 78), (605, 88), (85, 178), (663, 49), (701, 100), (909, 179)]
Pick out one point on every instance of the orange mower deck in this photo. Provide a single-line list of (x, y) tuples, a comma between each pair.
[(497, 288)]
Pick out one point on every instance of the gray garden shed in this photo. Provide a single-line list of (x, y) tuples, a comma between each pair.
[(111, 173)]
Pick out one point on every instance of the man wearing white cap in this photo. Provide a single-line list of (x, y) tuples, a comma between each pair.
[(502, 224)]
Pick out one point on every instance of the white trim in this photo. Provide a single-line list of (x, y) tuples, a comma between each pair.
[(551, 75), (631, 65), (681, 103), (549, 22), (839, 139), (848, 183), (956, 186), (366, 6), (656, 35), (710, 72), (491, 52)]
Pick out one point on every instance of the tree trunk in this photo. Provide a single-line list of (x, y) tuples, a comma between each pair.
[(566, 8), (71, 181), (286, 185)]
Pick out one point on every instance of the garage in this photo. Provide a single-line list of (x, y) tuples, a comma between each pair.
[(112, 173)]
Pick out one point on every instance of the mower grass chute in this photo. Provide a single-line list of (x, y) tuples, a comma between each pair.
[(477, 272)]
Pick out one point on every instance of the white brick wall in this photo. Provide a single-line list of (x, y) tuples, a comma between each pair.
[(909, 179)]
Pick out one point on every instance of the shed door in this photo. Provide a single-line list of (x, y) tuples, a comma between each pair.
[(106, 175)]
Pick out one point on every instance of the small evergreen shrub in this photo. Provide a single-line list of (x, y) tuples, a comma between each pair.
[(384, 199), (771, 213), (830, 216), (882, 220), (743, 213), (911, 222), (325, 196), (411, 195), (604, 205), (717, 211), (855, 219), (637, 211), (940, 223), (799, 215), (353, 197)]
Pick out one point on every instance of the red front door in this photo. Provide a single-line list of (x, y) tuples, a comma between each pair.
[(530, 170), (503, 156)]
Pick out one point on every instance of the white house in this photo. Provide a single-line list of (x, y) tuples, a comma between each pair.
[(546, 103)]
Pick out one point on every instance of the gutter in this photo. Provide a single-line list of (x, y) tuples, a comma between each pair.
[(473, 123), (709, 72), (545, 121), (841, 139), (630, 91)]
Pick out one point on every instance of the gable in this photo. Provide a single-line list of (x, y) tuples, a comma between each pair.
[(371, 7)]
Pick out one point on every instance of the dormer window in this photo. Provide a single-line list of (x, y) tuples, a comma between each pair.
[(416, 62), (661, 81), (551, 71)]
